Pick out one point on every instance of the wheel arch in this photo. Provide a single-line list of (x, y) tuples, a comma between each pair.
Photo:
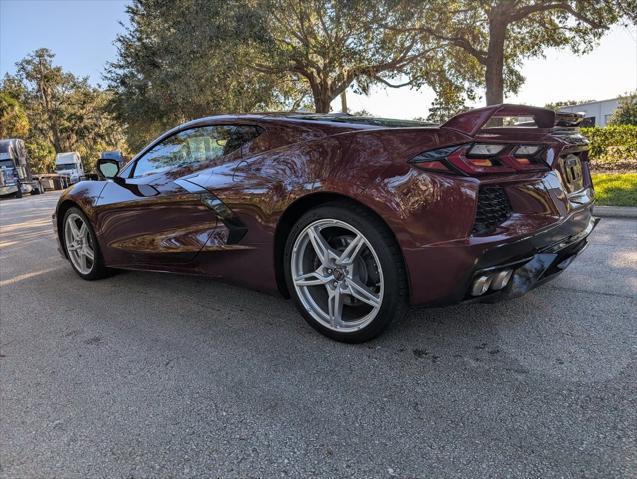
[(297, 209)]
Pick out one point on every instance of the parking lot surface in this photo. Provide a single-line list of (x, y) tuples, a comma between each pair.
[(151, 375)]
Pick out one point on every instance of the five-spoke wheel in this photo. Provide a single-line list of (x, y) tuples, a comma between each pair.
[(338, 265), (78, 243), (337, 275), (81, 245)]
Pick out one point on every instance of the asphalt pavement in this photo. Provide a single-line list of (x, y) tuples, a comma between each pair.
[(153, 375)]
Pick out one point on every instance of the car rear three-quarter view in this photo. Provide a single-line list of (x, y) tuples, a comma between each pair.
[(353, 218)]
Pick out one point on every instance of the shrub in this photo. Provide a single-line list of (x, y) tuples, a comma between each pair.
[(612, 147), (626, 112)]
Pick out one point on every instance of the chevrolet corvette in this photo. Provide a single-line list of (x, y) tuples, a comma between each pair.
[(353, 218)]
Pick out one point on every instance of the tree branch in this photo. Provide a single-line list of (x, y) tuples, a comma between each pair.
[(391, 85), (524, 12), (459, 42)]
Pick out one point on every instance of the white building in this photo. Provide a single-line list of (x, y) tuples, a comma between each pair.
[(597, 112)]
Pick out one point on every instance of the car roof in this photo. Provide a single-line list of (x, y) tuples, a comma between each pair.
[(323, 123), (329, 120)]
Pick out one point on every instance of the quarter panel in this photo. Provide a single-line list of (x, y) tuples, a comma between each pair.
[(370, 167)]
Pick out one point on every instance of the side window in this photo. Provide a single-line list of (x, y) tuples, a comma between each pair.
[(192, 146)]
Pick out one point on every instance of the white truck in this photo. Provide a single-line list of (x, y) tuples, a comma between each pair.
[(15, 174), (70, 164)]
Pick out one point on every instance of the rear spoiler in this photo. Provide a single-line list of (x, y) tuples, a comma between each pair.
[(564, 118), (474, 120)]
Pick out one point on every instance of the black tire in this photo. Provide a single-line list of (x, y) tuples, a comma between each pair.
[(98, 269), (395, 298), (18, 194)]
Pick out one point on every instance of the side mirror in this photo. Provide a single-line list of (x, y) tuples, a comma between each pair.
[(108, 168)]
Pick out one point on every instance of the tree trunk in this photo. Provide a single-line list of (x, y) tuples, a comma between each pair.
[(344, 101), (322, 100), (53, 124), (495, 60), (55, 130)]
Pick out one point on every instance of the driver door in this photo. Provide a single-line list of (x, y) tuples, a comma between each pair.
[(145, 218)]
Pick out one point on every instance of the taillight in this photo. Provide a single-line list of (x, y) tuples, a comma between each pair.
[(527, 150), (435, 159), (482, 158), (485, 149)]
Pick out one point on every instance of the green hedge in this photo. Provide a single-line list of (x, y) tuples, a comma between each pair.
[(613, 147)]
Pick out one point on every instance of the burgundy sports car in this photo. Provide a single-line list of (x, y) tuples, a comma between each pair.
[(354, 218)]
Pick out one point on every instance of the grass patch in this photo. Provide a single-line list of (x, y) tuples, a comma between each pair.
[(615, 189)]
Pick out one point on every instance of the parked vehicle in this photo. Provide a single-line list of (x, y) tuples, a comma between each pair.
[(15, 174), (353, 218), (53, 181), (70, 164)]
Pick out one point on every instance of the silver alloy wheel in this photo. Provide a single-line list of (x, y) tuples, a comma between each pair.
[(79, 245), (332, 282)]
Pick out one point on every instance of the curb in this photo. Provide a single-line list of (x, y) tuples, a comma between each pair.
[(615, 211)]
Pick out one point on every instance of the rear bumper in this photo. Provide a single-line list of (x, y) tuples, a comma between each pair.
[(444, 273), (8, 190), (25, 187), (538, 269)]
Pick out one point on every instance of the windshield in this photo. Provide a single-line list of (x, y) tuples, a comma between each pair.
[(66, 167), (8, 173), (6, 164)]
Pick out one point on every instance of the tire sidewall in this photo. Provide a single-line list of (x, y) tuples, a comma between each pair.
[(393, 300)]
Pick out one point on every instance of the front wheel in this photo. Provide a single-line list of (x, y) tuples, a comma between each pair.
[(36, 190), (81, 246), (345, 272)]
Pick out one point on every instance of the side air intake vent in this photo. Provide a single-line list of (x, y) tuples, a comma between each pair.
[(493, 209)]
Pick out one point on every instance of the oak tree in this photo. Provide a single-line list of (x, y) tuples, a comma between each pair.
[(486, 41), (63, 111)]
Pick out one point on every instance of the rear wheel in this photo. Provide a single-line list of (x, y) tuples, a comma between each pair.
[(345, 272), (81, 246)]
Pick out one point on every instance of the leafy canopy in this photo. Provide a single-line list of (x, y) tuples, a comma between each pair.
[(188, 59), (331, 45), (483, 43), (65, 113), (13, 120)]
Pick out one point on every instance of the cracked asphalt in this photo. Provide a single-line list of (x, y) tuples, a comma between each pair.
[(150, 375)]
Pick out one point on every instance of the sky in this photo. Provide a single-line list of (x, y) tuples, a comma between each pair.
[(81, 34)]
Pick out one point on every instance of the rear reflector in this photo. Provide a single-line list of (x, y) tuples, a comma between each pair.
[(481, 163)]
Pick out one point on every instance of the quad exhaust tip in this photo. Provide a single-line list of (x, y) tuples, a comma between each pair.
[(491, 281)]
